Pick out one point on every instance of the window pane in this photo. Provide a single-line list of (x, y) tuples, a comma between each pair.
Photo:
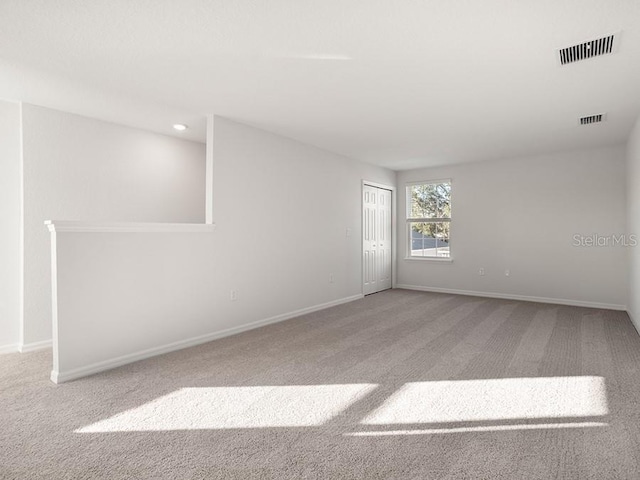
[(423, 201), (431, 200), (442, 239), (443, 196), (429, 239)]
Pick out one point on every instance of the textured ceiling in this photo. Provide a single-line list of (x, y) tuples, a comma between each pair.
[(400, 84)]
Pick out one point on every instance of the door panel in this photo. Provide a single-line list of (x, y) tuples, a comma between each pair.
[(376, 237), (369, 213), (384, 239)]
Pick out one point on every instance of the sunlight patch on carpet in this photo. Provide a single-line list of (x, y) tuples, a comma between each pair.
[(493, 399), (236, 407)]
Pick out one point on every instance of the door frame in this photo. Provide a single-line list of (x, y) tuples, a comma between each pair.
[(394, 255)]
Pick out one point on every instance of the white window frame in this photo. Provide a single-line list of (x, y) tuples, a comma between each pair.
[(410, 220)]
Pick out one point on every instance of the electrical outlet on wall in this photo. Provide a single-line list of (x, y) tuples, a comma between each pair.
[(507, 272), (331, 278), (481, 272), (234, 295)]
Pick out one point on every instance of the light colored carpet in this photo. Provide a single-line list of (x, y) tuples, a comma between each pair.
[(398, 385)]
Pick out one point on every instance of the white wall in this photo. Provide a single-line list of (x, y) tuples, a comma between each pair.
[(10, 218), (282, 210), (521, 215), (76, 168), (122, 293), (633, 221)]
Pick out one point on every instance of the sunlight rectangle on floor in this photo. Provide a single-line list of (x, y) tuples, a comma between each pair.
[(493, 399), (236, 407)]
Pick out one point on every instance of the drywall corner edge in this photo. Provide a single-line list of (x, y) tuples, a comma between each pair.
[(209, 169), (21, 295)]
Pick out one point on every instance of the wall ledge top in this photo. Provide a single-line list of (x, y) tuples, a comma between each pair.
[(56, 226)]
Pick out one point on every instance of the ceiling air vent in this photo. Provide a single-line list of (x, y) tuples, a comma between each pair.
[(592, 119), (592, 48)]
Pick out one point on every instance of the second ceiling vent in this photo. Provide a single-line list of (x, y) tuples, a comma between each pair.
[(592, 48)]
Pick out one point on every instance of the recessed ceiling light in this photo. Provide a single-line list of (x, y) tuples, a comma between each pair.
[(181, 127)]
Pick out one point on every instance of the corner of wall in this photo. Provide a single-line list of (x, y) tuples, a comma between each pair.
[(11, 226), (21, 214), (633, 225)]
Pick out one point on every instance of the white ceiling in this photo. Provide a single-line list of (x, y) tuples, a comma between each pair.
[(402, 84)]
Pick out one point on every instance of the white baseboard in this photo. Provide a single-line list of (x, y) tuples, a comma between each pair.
[(524, 298), (11, 348), (32, 347), (60, 377)]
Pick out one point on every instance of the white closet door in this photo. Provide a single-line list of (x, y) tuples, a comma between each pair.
[(376, 238), (384, 239), (369, 239)]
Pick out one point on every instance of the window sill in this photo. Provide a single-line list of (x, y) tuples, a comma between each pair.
[(430, 259)]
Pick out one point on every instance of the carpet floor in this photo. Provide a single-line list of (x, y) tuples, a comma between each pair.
[(401, 384)]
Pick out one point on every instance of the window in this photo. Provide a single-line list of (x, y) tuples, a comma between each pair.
[(429, 219)]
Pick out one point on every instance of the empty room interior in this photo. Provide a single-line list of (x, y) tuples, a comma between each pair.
[(343, 239)]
